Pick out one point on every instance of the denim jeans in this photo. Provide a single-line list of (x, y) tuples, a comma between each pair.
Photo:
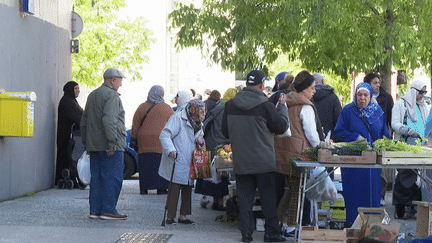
[(106, 181)]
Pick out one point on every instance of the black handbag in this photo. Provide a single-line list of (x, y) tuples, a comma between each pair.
[(133, 143)]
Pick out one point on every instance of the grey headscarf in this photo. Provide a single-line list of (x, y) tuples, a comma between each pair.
[(156, 94)]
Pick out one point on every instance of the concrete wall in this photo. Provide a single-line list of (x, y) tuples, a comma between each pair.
[(34, 56)]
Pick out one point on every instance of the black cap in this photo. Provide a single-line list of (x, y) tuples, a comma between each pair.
[(255, 77)]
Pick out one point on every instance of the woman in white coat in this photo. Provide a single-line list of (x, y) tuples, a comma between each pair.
[(408, 121), (182, 133)]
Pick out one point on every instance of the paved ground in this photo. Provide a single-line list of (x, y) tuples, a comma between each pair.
[(58, 215)]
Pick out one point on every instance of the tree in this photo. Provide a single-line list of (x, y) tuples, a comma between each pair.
[(340, 36), (108, 42)]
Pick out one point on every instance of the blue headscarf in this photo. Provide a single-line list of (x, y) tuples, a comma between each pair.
[(373, 111)]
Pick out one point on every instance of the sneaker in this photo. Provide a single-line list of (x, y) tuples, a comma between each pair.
[(94, 215), (113, 216), (186, 221), (171, 222)]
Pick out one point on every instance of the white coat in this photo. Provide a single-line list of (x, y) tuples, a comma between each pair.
[(178, 135)]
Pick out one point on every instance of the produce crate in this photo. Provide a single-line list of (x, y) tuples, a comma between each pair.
[(222, 163), (424, 219), (366, 157), (405, 157), (314, 234)]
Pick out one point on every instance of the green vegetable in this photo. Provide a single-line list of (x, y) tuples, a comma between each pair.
[(359, 145), (392, 145)]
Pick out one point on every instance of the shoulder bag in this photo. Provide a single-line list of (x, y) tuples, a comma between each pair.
[(133, 141)]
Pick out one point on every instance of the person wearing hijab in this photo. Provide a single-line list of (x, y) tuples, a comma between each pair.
[(408, 120), (69, 113), (213, 137), (180, 136), (146, 131), (362, 187), (181, 99), (306, 132)]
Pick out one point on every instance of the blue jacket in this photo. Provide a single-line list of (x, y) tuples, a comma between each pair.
[(349, 126)]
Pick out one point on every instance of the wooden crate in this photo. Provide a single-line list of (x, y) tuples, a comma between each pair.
[(314, 234), (221, 163), (424, 219), (405, 157), (367, 157)]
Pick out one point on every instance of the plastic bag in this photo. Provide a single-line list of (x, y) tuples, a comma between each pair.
[(83, 168), (287, 133), (324, 190)]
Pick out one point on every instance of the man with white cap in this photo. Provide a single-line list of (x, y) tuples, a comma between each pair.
[(103, 134)]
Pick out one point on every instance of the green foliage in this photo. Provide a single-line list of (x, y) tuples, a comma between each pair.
[(340, 37), (108, 42)]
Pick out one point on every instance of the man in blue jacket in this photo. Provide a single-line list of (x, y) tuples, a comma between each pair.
[(250, 122)]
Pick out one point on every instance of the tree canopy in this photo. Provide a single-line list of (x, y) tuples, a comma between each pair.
[(107, 41), (339, 36)]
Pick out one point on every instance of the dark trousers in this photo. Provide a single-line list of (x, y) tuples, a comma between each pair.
[(173, 195), (246, 187)]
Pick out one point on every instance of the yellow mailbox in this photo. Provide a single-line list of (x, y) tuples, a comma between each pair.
[(17, 114)]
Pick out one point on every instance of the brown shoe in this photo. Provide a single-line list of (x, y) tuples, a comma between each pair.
[(113, 216)]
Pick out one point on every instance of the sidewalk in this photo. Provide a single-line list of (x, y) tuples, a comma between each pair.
[(58, 215)]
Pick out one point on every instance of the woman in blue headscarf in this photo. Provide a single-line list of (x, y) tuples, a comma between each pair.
[(361, 120)]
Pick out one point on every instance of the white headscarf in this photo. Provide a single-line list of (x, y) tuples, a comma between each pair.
[(411, 100), (183, 98)]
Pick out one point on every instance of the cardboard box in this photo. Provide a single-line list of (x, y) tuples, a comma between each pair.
[(375, 225), (367, 157), (338, 203), (339, 214)]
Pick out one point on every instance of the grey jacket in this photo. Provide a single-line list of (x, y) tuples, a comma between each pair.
[(103, 122), (250, 122)]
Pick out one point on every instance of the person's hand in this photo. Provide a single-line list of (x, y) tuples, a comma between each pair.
[(172, 154), (360, 138), (412, 133), (110, 152)]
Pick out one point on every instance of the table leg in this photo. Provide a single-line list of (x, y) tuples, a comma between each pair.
[(300, 204)]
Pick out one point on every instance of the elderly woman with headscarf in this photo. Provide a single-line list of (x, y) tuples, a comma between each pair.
[(362, 119), (213, 137), (148, 121), (408, 120), (182, 133), (69, 113), (181, 99)]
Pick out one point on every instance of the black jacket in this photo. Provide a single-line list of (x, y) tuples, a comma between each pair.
[(386, 102), (250, 122), (328, 107)]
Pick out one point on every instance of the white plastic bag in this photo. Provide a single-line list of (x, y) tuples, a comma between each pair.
[(83, 168), (287, 133), (323, 187)]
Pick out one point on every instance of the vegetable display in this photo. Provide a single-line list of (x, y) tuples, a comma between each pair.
[(393, 145)]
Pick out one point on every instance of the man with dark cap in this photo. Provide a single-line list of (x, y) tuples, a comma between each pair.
[(104, 136), (69, 114), (327, 104), (250, 122)]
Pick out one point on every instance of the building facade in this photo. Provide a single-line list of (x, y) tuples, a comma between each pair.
[(34, 56)]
